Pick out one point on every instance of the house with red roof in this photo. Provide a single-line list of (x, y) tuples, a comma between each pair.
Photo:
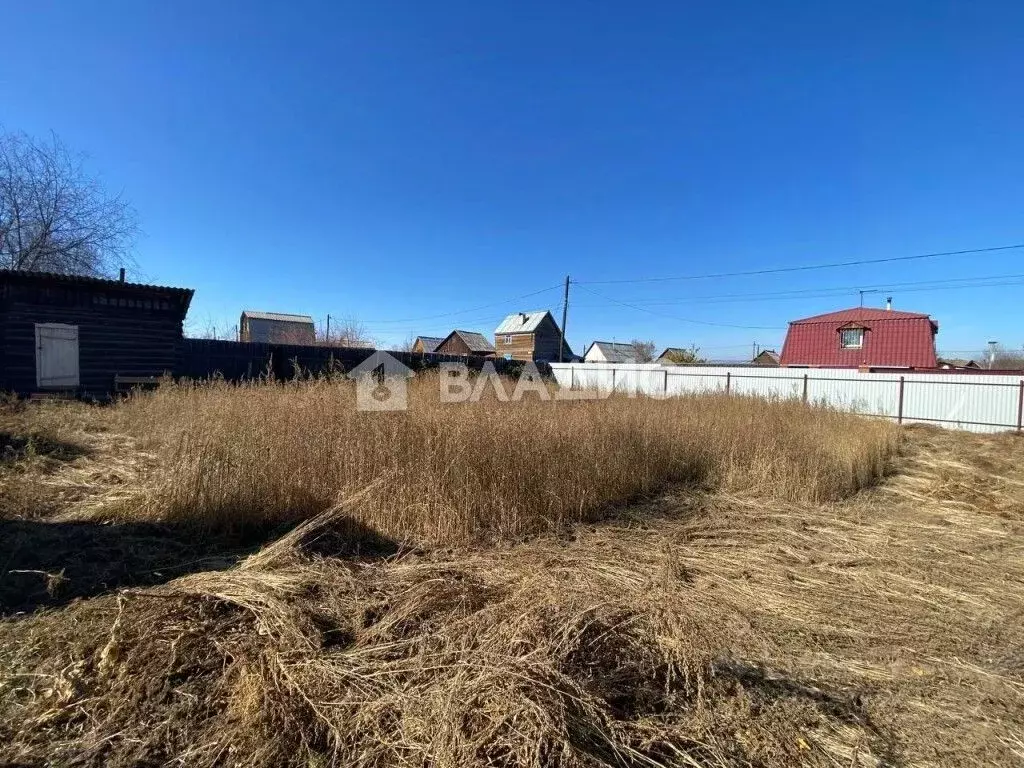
[(863, 336)]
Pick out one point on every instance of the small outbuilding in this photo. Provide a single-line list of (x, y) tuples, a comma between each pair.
[(610, 352), (276, 328), (424, 345), (766, 358), (466, 343), (86, 335)]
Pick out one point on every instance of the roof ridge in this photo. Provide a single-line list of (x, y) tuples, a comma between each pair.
[(89, 279)]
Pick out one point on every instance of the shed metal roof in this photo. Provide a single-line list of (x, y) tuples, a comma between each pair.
[(282, 317), (771, 354), (614, 352), (430, 343), (522, 322), (476, 342), (31, 276), (672, 351)]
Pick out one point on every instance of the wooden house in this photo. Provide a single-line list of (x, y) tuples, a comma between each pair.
[(766, 358), (465, 343), (531, 336), (426, 344), (85, 335), (276, 328)]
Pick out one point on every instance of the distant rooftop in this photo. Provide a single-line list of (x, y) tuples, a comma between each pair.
[(614, 352), (521, 322), (476, 342), (282, 317), (430, 343)]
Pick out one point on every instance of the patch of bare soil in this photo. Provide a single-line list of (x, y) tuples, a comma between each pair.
[(882, 630)]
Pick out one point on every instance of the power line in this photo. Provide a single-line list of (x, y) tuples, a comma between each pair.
[(467, 311), (681, 319), (806, 267), (806, 293)]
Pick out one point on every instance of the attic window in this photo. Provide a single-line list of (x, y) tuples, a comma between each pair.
[(851, 338)]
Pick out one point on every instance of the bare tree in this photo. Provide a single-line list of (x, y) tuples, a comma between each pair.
[(643, 351), (407, 345), (345, 332), (54, 216), (1002, 358), (208, 328)]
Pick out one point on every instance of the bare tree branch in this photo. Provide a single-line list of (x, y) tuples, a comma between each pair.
[(54, 217), (345, 332), (643, 351)]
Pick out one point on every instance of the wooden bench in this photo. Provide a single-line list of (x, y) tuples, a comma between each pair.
[(126, 383)]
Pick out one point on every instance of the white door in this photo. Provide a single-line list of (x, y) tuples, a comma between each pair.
[(56, 355)]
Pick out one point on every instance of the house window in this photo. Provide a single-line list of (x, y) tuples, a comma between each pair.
[(851, 338), (508, 338)]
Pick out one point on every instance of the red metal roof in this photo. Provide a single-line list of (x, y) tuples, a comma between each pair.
[(891, 338), (861, 313)]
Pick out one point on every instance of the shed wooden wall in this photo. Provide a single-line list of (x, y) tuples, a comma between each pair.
[(130, 334), (454, 345), (519, 347), (260, 330)]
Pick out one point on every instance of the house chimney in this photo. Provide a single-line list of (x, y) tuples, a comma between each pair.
[(888, 303), (523, 315), (121, 276)]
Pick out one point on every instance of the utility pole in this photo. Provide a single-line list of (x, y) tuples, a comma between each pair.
[(565, 318), (327, 336)]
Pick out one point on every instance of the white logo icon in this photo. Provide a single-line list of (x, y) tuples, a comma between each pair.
[(380, 383)]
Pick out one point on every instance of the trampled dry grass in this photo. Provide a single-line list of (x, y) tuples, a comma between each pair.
[(725, 625)]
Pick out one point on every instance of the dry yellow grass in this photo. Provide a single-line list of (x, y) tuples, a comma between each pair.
[(455, 473), (734, 624)]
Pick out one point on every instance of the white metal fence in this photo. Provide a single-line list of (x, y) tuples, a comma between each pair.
[(976, 402)]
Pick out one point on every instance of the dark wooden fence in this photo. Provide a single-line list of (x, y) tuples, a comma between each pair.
[(237, 361)]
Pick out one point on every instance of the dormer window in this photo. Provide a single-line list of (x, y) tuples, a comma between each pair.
[(851, 338)]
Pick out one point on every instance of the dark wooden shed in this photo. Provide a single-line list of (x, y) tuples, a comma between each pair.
[(466, 343), (76, 334)]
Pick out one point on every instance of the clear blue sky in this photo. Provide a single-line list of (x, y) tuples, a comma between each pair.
[(391, 160)]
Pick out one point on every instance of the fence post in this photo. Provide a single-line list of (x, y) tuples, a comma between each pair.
[(613, 379), (899, 411), (728, 381), (572, 376), (664, 386), (805, 388), (1020, 406)]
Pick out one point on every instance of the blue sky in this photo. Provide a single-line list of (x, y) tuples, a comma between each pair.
[(400, 160)]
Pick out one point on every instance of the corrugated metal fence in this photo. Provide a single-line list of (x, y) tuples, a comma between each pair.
[(976, 402)]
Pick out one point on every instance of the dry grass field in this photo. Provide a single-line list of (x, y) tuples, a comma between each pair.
[(263, 576)]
